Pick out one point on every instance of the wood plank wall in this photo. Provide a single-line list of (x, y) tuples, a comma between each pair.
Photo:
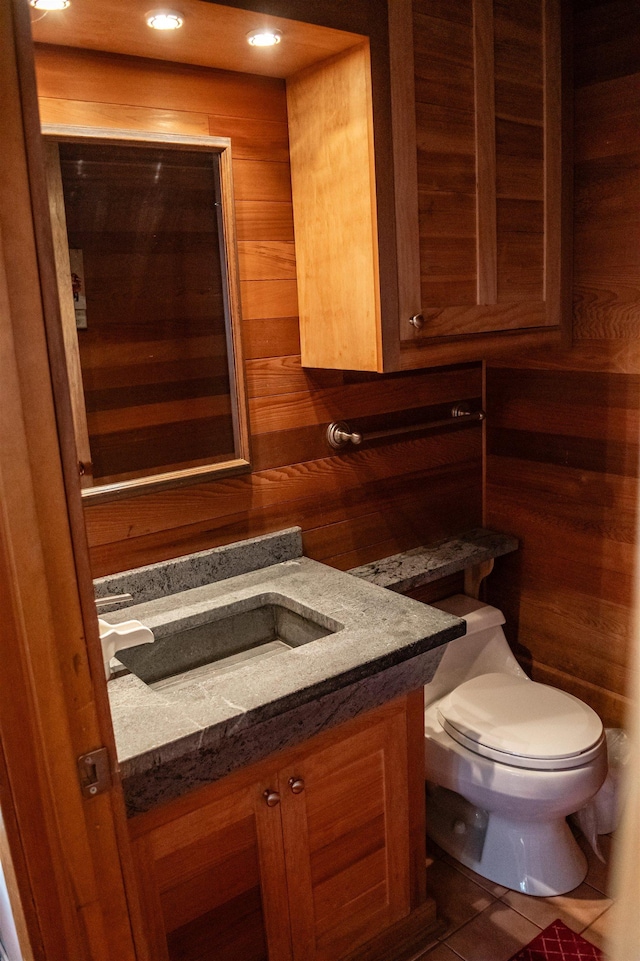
[(353, 507), (562, 466)]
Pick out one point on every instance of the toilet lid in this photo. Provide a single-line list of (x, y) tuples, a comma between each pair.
[(521, 722)]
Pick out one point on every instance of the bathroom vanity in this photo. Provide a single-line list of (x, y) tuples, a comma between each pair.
[(275, 795), (307, 854)]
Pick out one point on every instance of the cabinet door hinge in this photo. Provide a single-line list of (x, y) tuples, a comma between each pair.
[(94, 772)]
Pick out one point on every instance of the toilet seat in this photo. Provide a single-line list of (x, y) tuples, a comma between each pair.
[(520, 722)]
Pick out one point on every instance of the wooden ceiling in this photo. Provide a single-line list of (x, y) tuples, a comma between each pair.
[(212, 35)]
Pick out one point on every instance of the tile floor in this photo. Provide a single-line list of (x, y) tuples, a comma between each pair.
[(486, 922)]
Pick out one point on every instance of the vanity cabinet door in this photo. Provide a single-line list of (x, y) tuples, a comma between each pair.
[(345, 817), (304, 856), (212, 879)]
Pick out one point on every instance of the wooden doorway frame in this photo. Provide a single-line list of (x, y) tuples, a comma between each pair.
[(69, 854)]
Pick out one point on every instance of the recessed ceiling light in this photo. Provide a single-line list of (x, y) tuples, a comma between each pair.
[(165, 19), (50, 4), (264, 38)]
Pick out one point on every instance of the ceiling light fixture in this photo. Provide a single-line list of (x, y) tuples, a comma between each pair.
[(264, 38), (49, 4), (165, 19)]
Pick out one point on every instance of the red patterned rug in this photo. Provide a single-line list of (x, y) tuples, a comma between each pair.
[(559, 943)]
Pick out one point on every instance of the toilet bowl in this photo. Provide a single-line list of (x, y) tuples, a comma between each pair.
[(507, 759)]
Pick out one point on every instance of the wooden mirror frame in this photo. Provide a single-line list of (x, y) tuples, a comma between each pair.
[(221, 146)]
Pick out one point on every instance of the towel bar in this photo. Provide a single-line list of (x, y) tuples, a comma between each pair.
[(339, 434)]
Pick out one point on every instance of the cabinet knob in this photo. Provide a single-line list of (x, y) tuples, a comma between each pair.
[(272, 798), (417, 321), (296, 784)]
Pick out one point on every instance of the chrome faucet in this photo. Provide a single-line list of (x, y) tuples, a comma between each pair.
[(115, 637)]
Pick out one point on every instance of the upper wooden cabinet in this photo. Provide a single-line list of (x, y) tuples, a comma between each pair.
[(476, 225), (425, 160)]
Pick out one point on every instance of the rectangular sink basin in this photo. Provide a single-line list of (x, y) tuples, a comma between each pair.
[(240, 636)]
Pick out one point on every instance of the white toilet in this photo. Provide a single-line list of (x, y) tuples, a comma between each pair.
[(507, 760)]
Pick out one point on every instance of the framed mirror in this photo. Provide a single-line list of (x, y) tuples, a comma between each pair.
[(145, 252)]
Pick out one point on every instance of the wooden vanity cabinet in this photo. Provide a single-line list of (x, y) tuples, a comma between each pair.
[(307, 855), (475, 224)]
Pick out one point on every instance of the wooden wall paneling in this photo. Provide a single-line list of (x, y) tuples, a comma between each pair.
[(606, 225), (66, 73), (606, 35), (601, 528), (269, 337), (395, 519), (621, 357), (262, 180), (562, 467), (603, 553), (604, 119), (613, 708), (84, 113), (545, 615), (329, 480), (432, 511), (267, 260), (541, 629), (264, 221), (285, 374), (282, 448), (266, 140), (268, 299), (391, 524), (364, 399)]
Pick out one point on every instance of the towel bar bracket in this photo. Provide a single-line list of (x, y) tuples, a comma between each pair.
[(338, 435)]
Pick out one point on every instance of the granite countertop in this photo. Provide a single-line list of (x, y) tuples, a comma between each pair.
[(423, 565), (173, 738)]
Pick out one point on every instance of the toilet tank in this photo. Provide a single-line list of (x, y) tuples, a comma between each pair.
[(482, 650)]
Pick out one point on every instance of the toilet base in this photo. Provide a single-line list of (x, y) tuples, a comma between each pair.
[(541, 858)]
